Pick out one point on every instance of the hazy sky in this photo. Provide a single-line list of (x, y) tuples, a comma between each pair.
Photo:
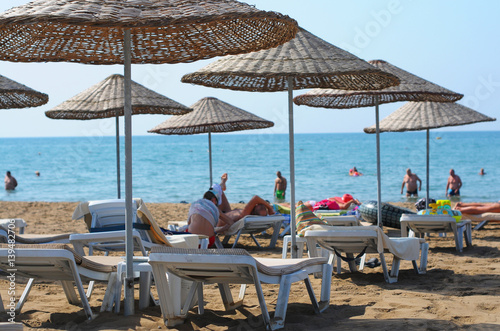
[(455, 44)]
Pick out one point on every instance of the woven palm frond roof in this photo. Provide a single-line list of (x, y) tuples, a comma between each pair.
[(162, 31), (16, 95), (309, 60), (411, 88), (105, 98), (414, 116), (212, 115)]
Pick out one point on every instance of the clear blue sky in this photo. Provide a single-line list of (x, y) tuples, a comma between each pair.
[(455, 44)]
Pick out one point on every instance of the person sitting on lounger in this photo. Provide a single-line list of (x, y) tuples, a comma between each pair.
[(478, 207)]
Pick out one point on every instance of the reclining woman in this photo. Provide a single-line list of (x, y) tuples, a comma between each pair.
[(478, 208), (256, 205), (213, 214)]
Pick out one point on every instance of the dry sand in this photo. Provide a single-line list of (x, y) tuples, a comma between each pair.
[(459, 291)]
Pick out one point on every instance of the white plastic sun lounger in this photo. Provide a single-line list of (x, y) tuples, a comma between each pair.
[(417, 225), (235, 266), (359, 240), (8, 231), (60, 262), (251, 225), (483, 219), (105, 220)]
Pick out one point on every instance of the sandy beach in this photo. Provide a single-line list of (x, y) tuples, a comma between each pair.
[(459, 291)]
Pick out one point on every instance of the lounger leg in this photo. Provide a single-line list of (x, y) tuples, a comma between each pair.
[(396, 263), (352, 264), (24, 296), (276, 233), (468, 235), (285, 231), (227, 297), (459, 239), (480, 225), (362, 262), (90, 288), (166, 303), (110, 294), (253, 237), (201, 302), (326, 284), (144, 293), (71, 295), (387, 277), (424, 250), (70, 292), (312, 296), (218, 244), (190, 299)]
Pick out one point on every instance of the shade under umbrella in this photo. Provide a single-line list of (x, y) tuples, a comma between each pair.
[(212, 115), (136, 31), (411, 88), (304, 62), (106, 99), (16, 95), (415, 116)]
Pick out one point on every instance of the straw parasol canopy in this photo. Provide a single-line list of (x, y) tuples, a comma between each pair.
[(106, 99), (411, 88), (16, 95), (415, 116), (304, 62), (136, 31), (310, 62), (211, 115), (162, 31)]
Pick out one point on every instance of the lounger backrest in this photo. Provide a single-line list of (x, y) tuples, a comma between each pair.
[(109, 215)]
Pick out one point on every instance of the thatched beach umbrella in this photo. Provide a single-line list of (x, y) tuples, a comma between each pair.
[(212, 115), (106, 99), (16, 95), (136, 31), (411, 88), (416, 116), (304, 62)]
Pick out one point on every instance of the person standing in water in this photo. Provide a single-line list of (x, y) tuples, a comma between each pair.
[(10, 182), (410, 180), (279, 188), (454, 184)]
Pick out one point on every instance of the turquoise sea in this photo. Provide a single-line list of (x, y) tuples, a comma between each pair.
[(175, 168)]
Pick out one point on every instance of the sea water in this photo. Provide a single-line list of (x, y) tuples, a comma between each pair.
[(176, 168)]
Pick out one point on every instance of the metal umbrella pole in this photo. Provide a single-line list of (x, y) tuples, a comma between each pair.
[(210, 155), (292, 167), (379, 185), (129, 251), (427, 175), (118, 153)]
